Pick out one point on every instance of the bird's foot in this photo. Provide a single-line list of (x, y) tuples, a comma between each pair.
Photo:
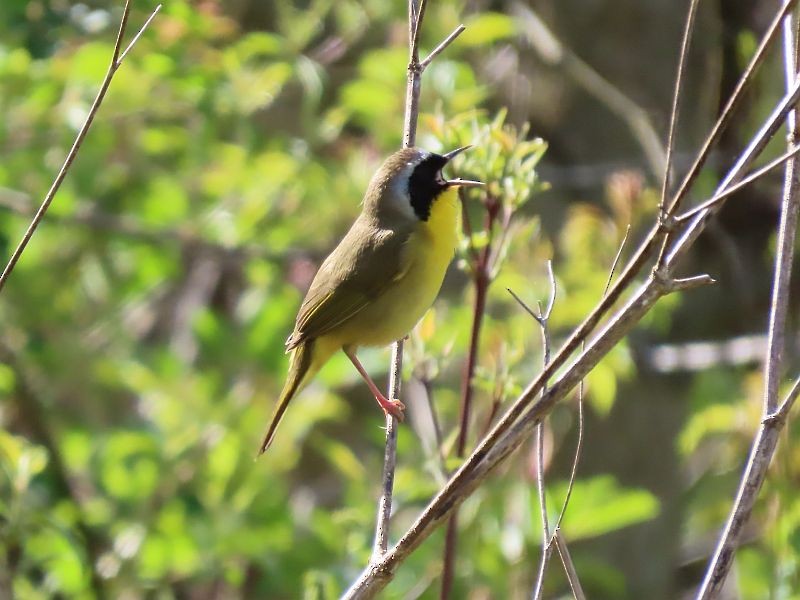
[(391, 407)]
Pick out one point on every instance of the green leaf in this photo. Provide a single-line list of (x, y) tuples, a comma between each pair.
[(487, 28), (319, 585), (714, 419), (166, 201), (600, 505), (601, 388), (129, 468), (7, 379)]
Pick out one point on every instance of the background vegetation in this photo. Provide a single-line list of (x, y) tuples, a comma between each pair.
[(142, 332)]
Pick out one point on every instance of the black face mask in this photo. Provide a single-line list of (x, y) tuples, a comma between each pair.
[(426, 183)]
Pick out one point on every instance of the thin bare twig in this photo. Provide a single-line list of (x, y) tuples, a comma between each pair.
[(569, 566), (783, 410), (116, 62), (787, 229), (615, 262), (757, 174), (415, 12), (544, 322), (563, 551), (542, 318), (722, 121), (676, 97), (773, 418), (579, 444), (440, 48)]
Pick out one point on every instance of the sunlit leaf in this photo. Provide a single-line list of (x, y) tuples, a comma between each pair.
[(487, 28), (600, 505)]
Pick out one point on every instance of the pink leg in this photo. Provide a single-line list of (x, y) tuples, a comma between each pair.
[(392, 407)]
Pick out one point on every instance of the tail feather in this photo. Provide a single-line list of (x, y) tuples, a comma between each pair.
[(298, 371)]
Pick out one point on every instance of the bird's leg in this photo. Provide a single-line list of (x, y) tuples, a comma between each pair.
[(393, 407)]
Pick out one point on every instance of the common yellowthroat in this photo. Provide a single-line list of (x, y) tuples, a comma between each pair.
[(384, 274)]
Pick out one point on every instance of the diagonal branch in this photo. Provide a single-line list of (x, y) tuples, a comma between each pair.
[(757, 174), (673, 119), (116, 62), (441, 47)]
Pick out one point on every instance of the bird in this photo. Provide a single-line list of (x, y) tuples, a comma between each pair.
[(383, 275)]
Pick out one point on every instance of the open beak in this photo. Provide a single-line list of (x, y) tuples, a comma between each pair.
[(460, 182), (453, 153), (464, 183)]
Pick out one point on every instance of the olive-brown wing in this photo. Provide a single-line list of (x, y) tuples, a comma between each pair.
[(360, 269)]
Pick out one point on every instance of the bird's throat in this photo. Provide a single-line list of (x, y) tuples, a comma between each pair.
[(441, 226)]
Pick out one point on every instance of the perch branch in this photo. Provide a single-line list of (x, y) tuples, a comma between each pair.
[(416, 12), (116, 62)]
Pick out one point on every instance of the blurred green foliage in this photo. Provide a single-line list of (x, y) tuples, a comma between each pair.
[(143, 332)]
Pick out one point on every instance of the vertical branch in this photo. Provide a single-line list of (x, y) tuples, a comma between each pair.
[(543, 319), (416, 12), (773, 419), (786, 234), (481, 278), (381, 543), (544, 322), (116, 61)]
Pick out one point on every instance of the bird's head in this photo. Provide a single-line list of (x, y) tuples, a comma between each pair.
[(410, 181)]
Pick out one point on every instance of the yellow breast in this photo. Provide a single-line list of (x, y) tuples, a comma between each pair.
[(436, 238), (426, 254)]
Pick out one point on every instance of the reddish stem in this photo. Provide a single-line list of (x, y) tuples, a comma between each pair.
[(481, 288), (481, 281)]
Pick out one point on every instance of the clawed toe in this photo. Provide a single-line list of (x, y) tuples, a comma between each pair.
[(392, 407), (395, 408)]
